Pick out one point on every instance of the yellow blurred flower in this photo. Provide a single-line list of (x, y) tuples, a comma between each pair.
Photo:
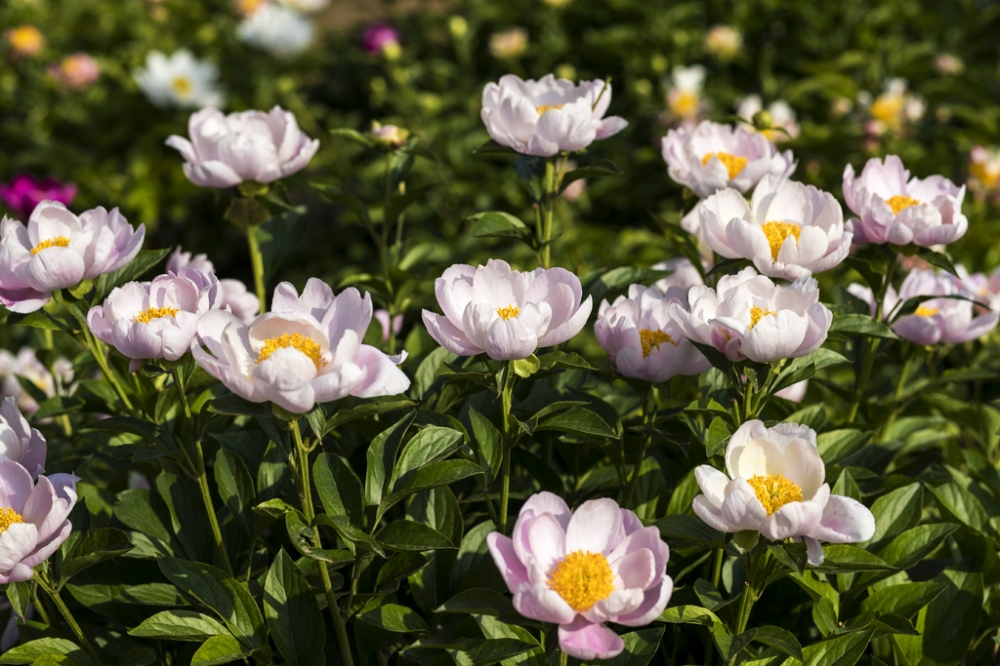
[(895, 107), (984, 168), (25, 40), (248, 7), (684, 97)]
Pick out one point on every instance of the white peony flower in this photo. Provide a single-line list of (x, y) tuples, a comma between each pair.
[(684, 96), (179, 80), (277, 29)]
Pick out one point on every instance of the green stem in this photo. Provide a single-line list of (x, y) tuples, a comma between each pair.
[(206, 498), (179, 385), (548, 206), (46, 584), (302, 463), (257, 263), (97, 351), (717, 567), (506, 399), (648, 419), (869, 346), (757, 573), (563, 658)]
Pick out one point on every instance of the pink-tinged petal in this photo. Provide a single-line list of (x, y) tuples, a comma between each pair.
[(919, 329), (570, 327), (638, 569), (212, 173), (55, 268), (540, 602), (15, 485), (448, 335), (585, 640), (183, 146), (382, 376), (596, 527), (23, 301), (39, 504), (741, 509), (338, 383), (844, 520), (44, 550), (508, 340), (620, 602), (16, 543), (547, 541), (546, 502), (511, 568), (34, 458), (713, 483), (977, 328), (711, 515), (814, 551), (610, 126), (63, 501), (654, 601), (18, 574), (792, 520)]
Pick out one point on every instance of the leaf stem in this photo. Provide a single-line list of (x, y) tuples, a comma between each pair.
[(50, 588), (649, 408), (869, 346), (506, 399), (206, 498), (257, 263), (563, 658)]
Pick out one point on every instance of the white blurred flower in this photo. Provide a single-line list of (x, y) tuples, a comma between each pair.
[(27, 365), (277, 29), (684, 97), (179, 80), (984, 168), (236, 298), (723, 41), (509, 44), (894, 107), (948, 64), (782, 117), (684, 274)]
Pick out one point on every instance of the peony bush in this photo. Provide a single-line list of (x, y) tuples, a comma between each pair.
[(405, 345)]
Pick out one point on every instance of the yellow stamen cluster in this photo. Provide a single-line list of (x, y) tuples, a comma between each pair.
[(542, 109), (775, 491), (508, 312), (151, 313), (58, 241), (777, 232), (684, 104), (582, 579), (756, 313), (651, 339), (303, 343), (182, 86), (734, 163), (9, 517), (901, 202), (926, 312), (888, 109)]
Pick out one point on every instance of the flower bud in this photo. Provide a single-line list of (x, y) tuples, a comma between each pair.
[(762, 120), (458, 27)]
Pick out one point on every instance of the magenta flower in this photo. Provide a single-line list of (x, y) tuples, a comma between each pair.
[(378, 36), (34, 519), (25, 192), (19, 441), (584, 568)]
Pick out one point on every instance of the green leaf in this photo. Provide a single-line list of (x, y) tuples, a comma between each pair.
[(38, 319), (370, 407), (233, 405), (292, 614), (27, 653), (718, 436), (690, 528), (224, 595), (689, 615), (357, 137), (604, 283), (432, 475), (395, 618), (497, 224), (598, 170), (578, 421), (179, 625), (349, 533), (904, 599), (895, 512), (792, 555), (894, 624), (104, 544), (143, 261), (937, 259), (429, 444), (139, 656), (561, 359), (19, 596), (339, 488), (489, 443), (145, 429), (835, 445), (963, 505), (915, 544), (219, 650), (411, 535), (381, 458), (526, 367), (236, 487), (861, 324), (843, 650), (640, 648), (396, 568), (479, 601), (780, 639), (842, 558)]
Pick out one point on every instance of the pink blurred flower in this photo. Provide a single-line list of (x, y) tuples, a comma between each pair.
[(19, 441), (25, 192), (583, 568), (76, 71), (379, 36), (382, 316)]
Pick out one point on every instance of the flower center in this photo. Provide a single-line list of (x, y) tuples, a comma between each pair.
[(542, 109), (685, 104), (777, 232), (901, 202), (58, 241), (756, 313), (734, 163), (152, 313), (26, 39), (988, 175), (775, 491), (303, 343), (582, 579), (888, 109), (182, 86), (926, 312), (651, 339), (508, 312), (9, 517)]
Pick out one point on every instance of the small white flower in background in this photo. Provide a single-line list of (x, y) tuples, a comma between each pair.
[(788, 229), (236, 298), (894, 107), (948, 64), (984, 168), (548, 116), (509, 44), (984, 288), (723, 41), (684, 274), (506, 313), (179, 80), (782, 117), (748, 316), (713, 156), (684, 96), (19, 441), (277, 29), (27, 365), (774, 484), (894, 208), (226, 150), (641, 339), (389, 135)]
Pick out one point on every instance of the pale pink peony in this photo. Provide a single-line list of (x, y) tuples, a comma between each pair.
[(584, 568), (19, 441), (235, 296)]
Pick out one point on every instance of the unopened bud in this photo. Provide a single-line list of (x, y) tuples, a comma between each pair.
[(762, 120), (458, 27)]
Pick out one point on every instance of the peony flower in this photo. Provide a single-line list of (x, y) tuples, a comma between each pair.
[(642, 340), (984, 288), (748, 316), (724, 42), (509, 44), (684, 96), (57, 249), (76, 71), (984, 169), (794, 393), (306, 350), (506, 313), (25, 41), (382, 316), (714, 156), (774, 484), (33, 519), (19, 441), (583, 568), (684, 274), (279, 30), (894, 107), (894, 208), (180, 80), (381, 38), (151, 320), (389, 135), (788, 229), (548, 116), (575, 189), (782, 117), (27, 365), (236, 298), (948, 64), (245, 146), (25, 192)]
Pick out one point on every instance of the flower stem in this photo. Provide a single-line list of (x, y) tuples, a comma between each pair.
[(757, 573), (563, 658), (46, 584), (648, 419), (302, 462), (869, 347), (97, 351), (206, 498), (257, 263), (506, 399)]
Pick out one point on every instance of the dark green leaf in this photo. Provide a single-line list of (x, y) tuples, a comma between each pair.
[(179, 625), (236, 487), (219, 650), (499, 225), (395, 618), (104, 544), (861, 324), (339, 488), (292, 614), (411, 535)]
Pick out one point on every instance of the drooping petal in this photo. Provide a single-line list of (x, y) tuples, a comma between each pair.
[(585, 640)]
